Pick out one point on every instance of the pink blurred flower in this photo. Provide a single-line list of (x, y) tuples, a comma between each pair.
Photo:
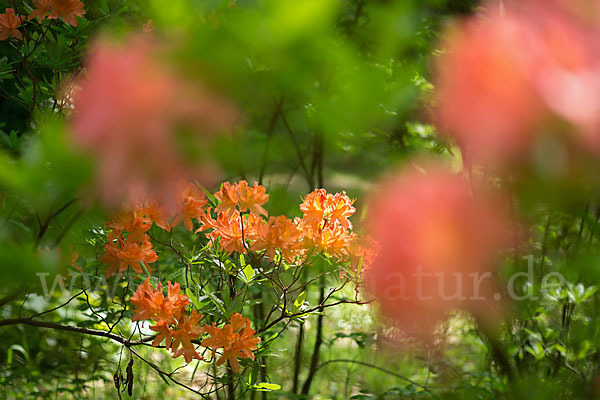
[(485, 100), (564, 43), (434, 234), (129, 110), (505, 78)]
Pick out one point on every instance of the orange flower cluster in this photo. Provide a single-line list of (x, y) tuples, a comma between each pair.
[(322, 207), (191, 201), (236, 339), (325, 225), (123, 254), (241, 197), (68, 10), (123, 251), (151, 303), (172, 324), (238, 216), (9, 23), (178, 330), (240, 225), (231, 231), (240, 231), (53, 9), (278, 233)]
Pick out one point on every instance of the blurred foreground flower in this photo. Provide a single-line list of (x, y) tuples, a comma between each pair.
[(437, 245), (506, 78), (137, 116)]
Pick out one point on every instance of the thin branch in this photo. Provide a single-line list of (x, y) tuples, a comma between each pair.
[(71, 328), (163, 373), (270, 131), (318, 341), (309, 176)]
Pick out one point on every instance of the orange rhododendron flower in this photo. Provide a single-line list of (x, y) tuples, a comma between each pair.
[(172, 324), (191, 200), (236, 339), (228, 196), (328, 237), (242, 197), (116, 223), (67, 10), (133, 254), (9, 23), (123, 253), (111, 256), (361, 252), (325, 223), (148, 302), (157, 213), (229, 230), (279, 233), (187, 330), (238, 322), (133, 221), (321, 206), (434, 236), (164, 333), (151, 303), (40, 9), (137, 225), (138, 219), (252, 198)]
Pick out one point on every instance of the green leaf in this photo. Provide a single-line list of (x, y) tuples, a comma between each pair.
[(190, 294), (216, 301), (230, 266), (248, 272), (299, 301), (272, 337), (210, 197), (5, 139), (20, 349), (203, 301), (266, 387), (145, 268), (103, 6), (560, 348), (588, 293)]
